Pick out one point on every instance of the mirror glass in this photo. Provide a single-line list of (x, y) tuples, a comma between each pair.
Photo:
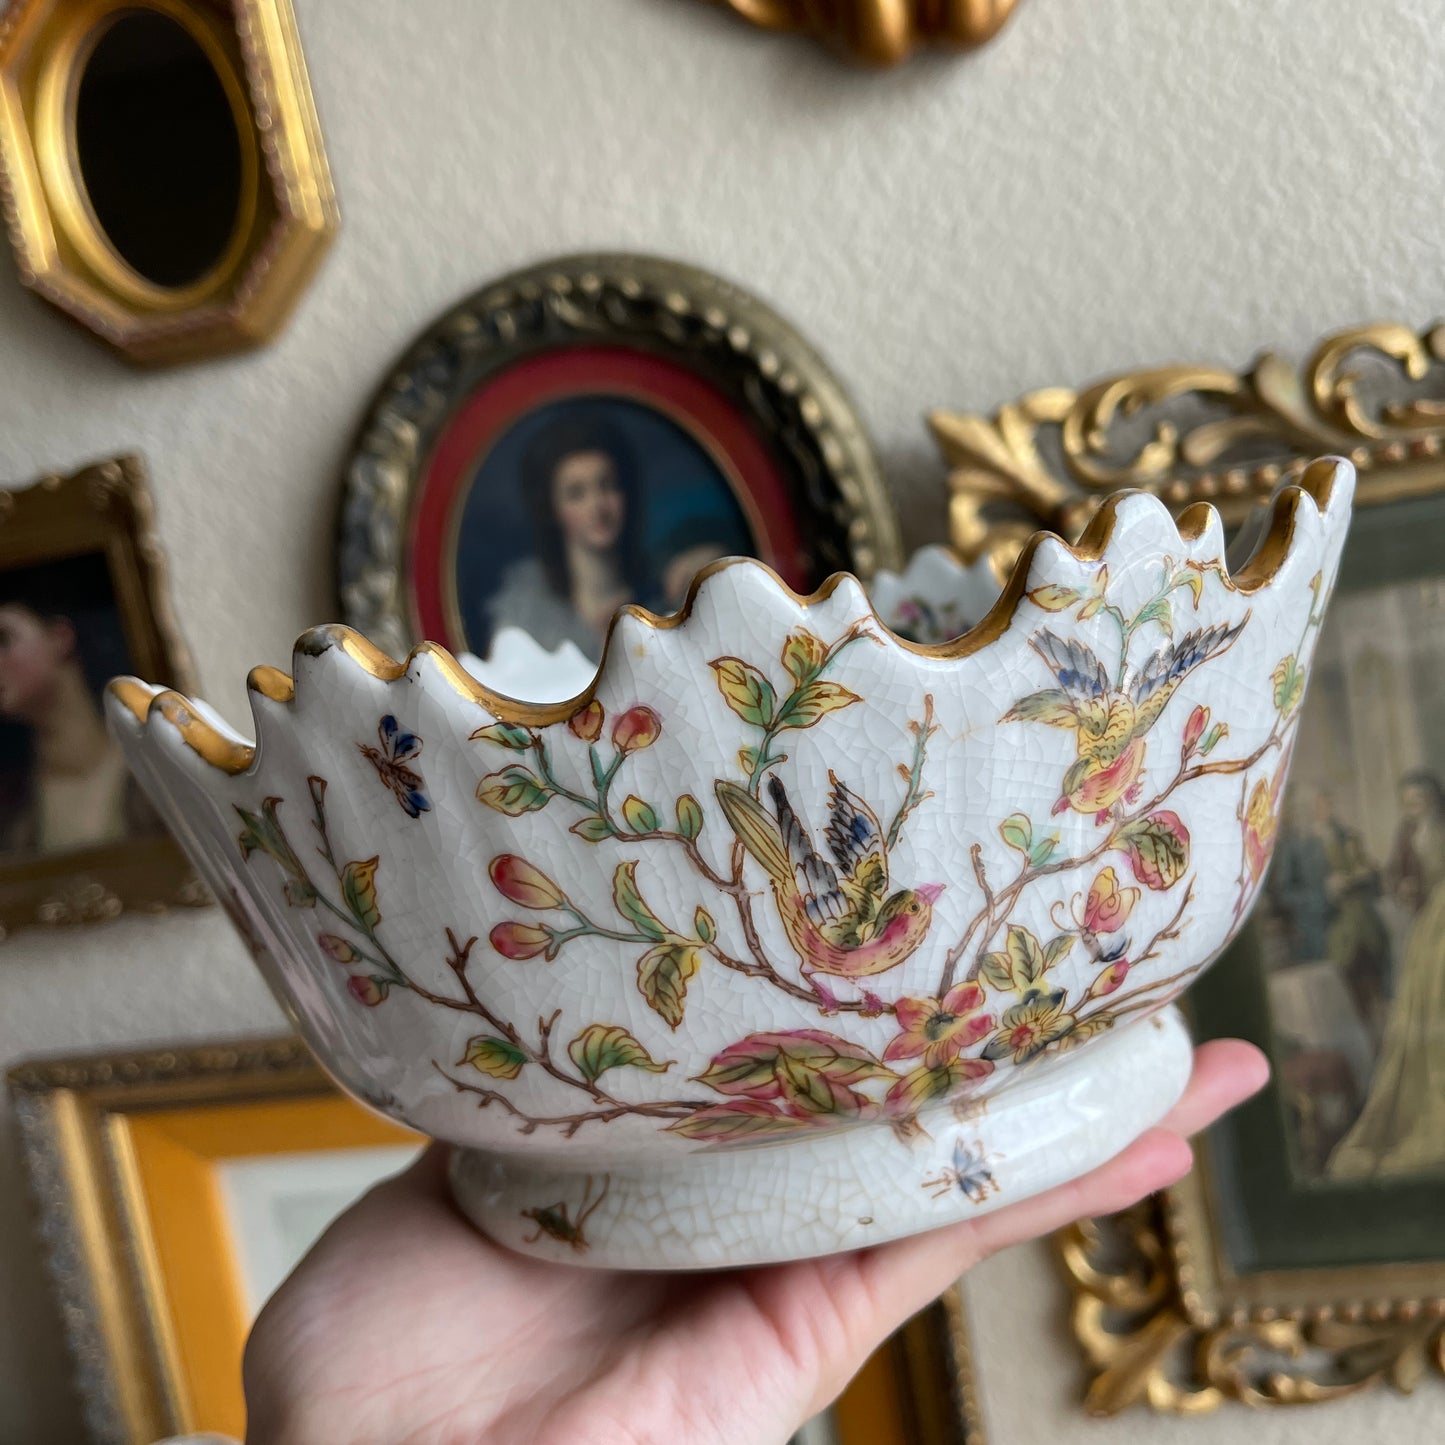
[(157, 148)]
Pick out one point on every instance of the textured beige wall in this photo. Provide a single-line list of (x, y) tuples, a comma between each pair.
[(1112, 183)]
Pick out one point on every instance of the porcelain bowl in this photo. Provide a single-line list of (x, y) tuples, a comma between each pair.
[(784, 935)]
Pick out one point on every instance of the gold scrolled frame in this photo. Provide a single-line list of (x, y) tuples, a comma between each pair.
[(1197, 434), (1157, 1309), (881, 32)]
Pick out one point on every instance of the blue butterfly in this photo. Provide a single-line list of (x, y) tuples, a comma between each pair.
[(397, 749), (972, 1173)]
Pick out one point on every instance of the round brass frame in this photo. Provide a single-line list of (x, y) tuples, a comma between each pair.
[(55, 113)]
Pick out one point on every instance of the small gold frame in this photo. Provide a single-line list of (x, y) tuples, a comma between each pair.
[(881, 32), (105, 509), (286, 211), (1160, 1314)]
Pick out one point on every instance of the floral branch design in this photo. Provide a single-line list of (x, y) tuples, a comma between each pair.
[(999, 998)]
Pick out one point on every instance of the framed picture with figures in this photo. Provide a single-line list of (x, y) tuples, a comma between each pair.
[(1303, 1258), (82, 598)]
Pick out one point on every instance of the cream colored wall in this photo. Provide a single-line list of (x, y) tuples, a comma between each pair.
[(1111, 183)]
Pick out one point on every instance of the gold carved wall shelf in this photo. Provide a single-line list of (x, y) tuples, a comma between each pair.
[(881, 32), (161, 168)]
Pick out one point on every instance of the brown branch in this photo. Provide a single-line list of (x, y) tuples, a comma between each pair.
[(571, 1123)]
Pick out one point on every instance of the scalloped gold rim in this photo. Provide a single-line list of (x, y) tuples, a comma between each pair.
[(233, 757)]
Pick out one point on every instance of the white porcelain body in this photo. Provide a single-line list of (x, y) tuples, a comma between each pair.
[(625, 1022)]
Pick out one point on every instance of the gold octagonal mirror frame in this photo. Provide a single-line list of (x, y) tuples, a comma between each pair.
[(285, 207)]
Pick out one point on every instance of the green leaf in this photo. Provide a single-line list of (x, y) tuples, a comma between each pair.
[(1212, 738), (639, 816), (740, 1119), (513, 791), (504, 735), (803, 654), (1161, 610), (358, 889), (592, 830), (1017, 832), (1057, 949), (1026, 958), (1052, 706), (745, 690), (1289, 684), (923, 1085), (629, 902), (1091, 608), (1043, 850), (689, 816), (805, 706), (1053, 597), (1157, 847), (703, 925), (600, 1047), (802, 1062), (299, 893), (663, 974), (748, 760), (500, 1058), (996, 970)]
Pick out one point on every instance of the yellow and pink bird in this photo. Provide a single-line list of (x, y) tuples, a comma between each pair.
[(1110, 723), (842, 921)]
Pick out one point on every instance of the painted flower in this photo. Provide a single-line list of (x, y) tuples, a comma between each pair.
[(1194, 728), (1109, 978), (518, 881), (639, 727), (1260, 825), (1030, 1026), (337, 949), (522, 940), (938, 1030), (586, 723), (367, 990), (1107, 908)]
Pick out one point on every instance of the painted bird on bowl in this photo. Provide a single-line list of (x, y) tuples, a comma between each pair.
[(843, 921), (1111, 723)]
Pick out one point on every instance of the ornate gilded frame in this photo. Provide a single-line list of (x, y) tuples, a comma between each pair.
[(730, 339), (103, 508), (881, 32), (149, 1362), (78, 1121), (287, 212), (1158, 1310)]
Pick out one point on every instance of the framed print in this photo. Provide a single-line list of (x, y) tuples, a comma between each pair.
[(917, 1388), (82, 598), (1304, 1257), (176, 1189), (590, 433)]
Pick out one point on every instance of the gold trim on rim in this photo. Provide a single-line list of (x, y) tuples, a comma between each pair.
[(231, 756)]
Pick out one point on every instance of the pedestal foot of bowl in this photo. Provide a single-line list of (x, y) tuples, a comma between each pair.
[(858, 1186)]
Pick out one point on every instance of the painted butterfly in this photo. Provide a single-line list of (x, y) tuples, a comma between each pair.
[(397, 749), (971, 1172)]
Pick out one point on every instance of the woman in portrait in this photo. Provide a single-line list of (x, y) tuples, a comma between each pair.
[(1402, 1127), (580, 485), (63, 783)]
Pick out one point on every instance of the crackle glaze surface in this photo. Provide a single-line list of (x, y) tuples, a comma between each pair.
[(783, 908)]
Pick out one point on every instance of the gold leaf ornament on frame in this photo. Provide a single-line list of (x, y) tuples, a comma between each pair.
[(881, 32), (1193, 433)]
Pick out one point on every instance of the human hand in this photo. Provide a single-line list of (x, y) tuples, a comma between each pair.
[(405, 1326)]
